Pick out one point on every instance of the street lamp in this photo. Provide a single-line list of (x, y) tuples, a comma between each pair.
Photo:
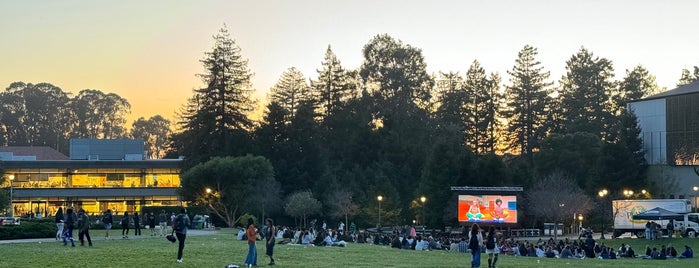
[(695, 188), (628, 193), (603, 193), (379, 198), (580, 219), (11, 177), (422, 217)]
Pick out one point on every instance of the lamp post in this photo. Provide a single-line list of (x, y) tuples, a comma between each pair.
[(628, 193), (603, 193), (694, 200), (580, 219), (379, 198), (422, 217), (11, 177)]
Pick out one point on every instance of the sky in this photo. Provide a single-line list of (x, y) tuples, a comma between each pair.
[(149, 52)]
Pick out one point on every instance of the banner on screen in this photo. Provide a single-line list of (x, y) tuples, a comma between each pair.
[(488, 208)]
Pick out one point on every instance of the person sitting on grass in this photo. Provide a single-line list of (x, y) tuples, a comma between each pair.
[(671, 251), (688, 252)]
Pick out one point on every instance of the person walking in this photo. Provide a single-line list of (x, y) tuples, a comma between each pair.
[(491, 247), (136, 224), (180, 226), (251, 233), (475, 240), (69, 222), (59, 223), (269, 236), (125, 225), (108, 221), (84, 227)]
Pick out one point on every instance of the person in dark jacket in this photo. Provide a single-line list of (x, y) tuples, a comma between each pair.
[(136, 224), (84, 227), (59, 223), (69, 225), (269, 236), (181, 233), (125, 225), (151, 223), (107, 221)]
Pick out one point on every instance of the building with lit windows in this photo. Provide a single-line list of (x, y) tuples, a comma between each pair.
[(669, 123), (98, 175)]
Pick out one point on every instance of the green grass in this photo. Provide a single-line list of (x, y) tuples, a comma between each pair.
[(222, 248)]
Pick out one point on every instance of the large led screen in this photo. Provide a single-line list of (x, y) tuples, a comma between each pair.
[(488, 208)]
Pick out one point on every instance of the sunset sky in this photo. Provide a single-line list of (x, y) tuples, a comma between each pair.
[(148, 51)]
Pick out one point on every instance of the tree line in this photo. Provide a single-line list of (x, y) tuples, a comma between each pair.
[(388, 128)]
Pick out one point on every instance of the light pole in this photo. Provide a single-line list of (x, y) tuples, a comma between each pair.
[(379, 198), (422, 217), (695, 188), (11, 177), (603, 193), (580, 219), (628, 193)]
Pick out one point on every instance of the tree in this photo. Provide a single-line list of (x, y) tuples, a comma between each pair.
[(266, 199), (622, 163), (100, 115), (575, 155), (302, 204), (637, 84), (688, 77), (215, 120), (341, 204), (556, 198), (334, 85), (290, 91), (35, 115), (586, 92), (232, 181), (481, 108), (526, 103), (154, 132)]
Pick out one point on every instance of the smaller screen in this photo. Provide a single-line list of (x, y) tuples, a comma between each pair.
[(488, 208)]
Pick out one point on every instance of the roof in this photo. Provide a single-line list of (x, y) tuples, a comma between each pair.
[(681, 90), (41, 152)]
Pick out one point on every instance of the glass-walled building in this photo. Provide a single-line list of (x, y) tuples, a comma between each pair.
[(40, 186)]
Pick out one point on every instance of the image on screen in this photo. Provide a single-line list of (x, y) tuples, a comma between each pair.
[(488, 208)]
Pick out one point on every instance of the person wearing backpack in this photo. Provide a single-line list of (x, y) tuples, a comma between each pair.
[(179, 227), (491, 247), (70, 220), (475, 240)]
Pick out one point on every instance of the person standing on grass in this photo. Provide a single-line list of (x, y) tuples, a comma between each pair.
[(251, 233), (180, 226), (107, 220), (84, 227), (491, 248), (69, 222), (125, 225), (269, 236), (162, 220), (151, 223), (59, 223), (475, 240), (136, 224)]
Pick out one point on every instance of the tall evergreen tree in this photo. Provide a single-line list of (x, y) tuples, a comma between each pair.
[(452, 98), (526, 102), (290, 91), (481, 108), (586, 93), (215, 120), (637, 84), (334, 85)]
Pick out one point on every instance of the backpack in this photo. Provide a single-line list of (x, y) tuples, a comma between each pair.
[(179, 223), (473, 243), (490, 243)]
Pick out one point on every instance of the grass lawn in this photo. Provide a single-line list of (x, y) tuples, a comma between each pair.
[(220, 249)]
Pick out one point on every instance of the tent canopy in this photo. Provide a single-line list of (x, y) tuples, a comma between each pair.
[(657, 213)]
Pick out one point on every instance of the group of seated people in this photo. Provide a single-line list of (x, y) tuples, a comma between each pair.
[(667, 252)]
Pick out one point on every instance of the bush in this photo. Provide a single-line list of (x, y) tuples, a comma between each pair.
[(29, 228)]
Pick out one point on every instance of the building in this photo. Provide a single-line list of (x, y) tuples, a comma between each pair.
[(98, 175), (669, 124)]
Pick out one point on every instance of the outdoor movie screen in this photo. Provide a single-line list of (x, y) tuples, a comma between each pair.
[(488, 208)]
